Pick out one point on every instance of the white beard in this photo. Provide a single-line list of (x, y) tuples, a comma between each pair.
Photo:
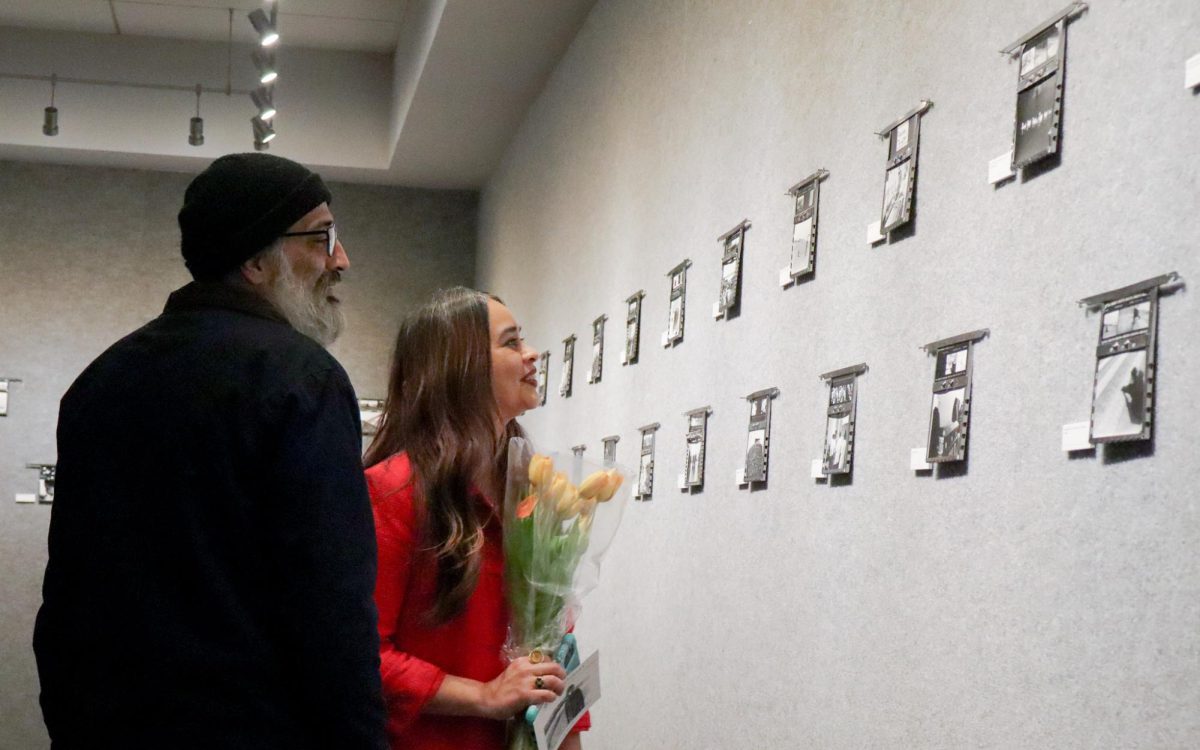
[(307, 309)]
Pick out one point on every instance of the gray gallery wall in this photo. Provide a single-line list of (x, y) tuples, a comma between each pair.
[(1032, 600), (90, 254)]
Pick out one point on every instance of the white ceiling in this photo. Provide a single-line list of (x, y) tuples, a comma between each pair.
[(462, 75)]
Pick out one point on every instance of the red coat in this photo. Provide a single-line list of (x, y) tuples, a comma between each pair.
[(416, 656)]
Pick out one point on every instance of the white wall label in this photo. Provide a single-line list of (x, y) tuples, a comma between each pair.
[(916, 460), (817, 469), (785, 276), (24, 497), (1076, 436), (1000, 168), (1191, 72), (873, 234)]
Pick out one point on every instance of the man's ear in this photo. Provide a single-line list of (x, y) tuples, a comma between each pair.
[(255, 270)]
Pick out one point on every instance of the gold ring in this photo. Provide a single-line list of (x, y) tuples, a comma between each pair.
[(539, 683), (536, 656)]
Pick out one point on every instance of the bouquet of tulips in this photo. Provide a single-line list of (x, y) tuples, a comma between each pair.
[(557, 526)]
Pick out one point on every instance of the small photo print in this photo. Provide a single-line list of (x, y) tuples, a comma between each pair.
[(836, 458), (756, 455), (1037, 125), (900, 137), (729, 284), (676, 281), (895, 196), (647, 440), (543, 377), (1039, 51), (695, 460), (675, 323), (597, 360), (801, 261), (951, 362), (1122, 320), (610, 452), (370, 412), (1119, 402), (948, 426), (646, 475)]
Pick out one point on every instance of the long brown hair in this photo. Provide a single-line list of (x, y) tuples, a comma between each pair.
[(441, 409)]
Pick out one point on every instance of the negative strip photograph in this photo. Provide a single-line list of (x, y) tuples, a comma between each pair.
[(597, 368), (694, 459), (839, 427), (896, 197), (645, 482), (610, 449), (633, 327), (758, 438), (1039, 97), (1122, 391), (804, 230), (1039, 56), (948, 426), (675, 311), (731, 272), (543, 377), (564, 386)]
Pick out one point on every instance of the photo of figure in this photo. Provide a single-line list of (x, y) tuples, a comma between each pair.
[(1119, 401), (1122, 320), (951, 362), (646, 476), (1040, 54), (597, 360), (694, 474), (729, 279), (1037, 122), (610, 450), (543, 377), (633, 322), (836, 457), (675, 322), (564, 387), (948, 426), (895, 197), (756, 455)]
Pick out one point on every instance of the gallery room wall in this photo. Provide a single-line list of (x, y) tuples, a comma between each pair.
[(89, 254), (1032, 599)]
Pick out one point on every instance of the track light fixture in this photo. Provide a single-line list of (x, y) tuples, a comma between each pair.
[(263, 98), (263, 132), (50, 115), (196, 126), (264, 60), (267, 34)]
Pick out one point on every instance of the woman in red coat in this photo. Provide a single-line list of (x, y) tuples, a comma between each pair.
[(461, 374)]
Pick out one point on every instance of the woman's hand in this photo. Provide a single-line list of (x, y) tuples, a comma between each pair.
[(521, 684)]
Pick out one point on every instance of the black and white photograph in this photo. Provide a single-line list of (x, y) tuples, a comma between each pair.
[(896, 197), (948, 426), (951, 361), (1037, 120), (804, 229), (1119, 402), (758, 437), (697, 435), (543, 377), (564, 386), (633, 327), (597, 368), (675, 311), (902, 141), (732, 244), (610, 449), (645, 481), (370, 411), (838, 452), (1121, 320), (1039, 55), (3, 398)]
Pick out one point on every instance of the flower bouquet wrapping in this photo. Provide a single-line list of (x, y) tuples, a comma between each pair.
[(558, 524)]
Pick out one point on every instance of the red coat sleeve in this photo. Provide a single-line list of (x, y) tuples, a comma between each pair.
[(408, 682)]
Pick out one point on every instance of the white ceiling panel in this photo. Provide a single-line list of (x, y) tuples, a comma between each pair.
[(183, 22), (64, 15), (359, 35)]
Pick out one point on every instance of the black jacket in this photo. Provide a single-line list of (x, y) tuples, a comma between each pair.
[(212, 553)]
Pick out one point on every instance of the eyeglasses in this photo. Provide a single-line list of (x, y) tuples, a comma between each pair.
[(330, 233)]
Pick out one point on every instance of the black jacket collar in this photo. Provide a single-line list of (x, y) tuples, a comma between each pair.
[(209, 294)]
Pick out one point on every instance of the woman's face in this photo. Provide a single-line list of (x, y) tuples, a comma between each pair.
[(514, 365)]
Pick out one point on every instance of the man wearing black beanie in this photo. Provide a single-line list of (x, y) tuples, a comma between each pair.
[(212, 553)]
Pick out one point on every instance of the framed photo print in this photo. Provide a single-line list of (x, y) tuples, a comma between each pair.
[(837, 457), (3, 397), (46, 476), (370, 412), (1123, 386), (758, 437), (543, 377), (610, 449), (900, 179), (1041, 54), (807, 195), (730, 296), (645, 482), (564, 386), (697, 436), (950, 407), (677, 304), (597, 368), (633, 327)]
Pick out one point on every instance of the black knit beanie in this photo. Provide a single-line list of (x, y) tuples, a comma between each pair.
[(239, 205)]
